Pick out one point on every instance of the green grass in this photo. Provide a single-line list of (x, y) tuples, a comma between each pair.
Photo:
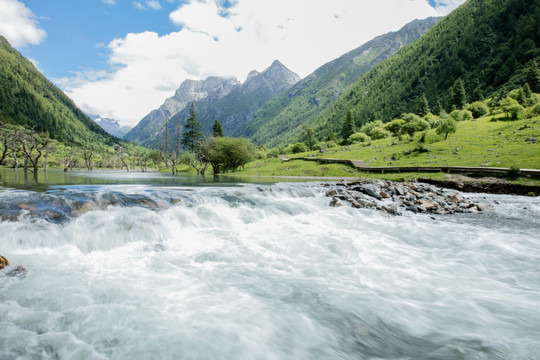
[(481, 142)]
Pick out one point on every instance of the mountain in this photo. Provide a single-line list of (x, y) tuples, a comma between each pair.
[(111, 126), (280, 119), (488, 44), (151, 125), (27, 98), (233, 108)]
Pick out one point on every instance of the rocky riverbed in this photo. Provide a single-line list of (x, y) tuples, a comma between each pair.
[(396, 198)]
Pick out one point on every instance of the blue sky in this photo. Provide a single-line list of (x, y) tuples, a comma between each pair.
[(123, 58)]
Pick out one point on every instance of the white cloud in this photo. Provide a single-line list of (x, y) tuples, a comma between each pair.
[(148, 4), (444, 7), (19, 25), (146, 68), (109, 2)]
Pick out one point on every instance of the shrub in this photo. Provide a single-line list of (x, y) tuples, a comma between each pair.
[(513, 173), (536, 109), (414, 126), (432, 120), (299, 148), (461, 115), (394, 126), (447, 126), (478, 109), (331, 144), (512, 109), (379, 133), (358, 137)]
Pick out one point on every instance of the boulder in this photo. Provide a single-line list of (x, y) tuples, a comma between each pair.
[(84, 208), (484, 207), (3, 262), (429, 205), (336, 203), (331, 193)]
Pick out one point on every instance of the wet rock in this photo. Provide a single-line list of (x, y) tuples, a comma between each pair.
[(84, 208), (384, 195), (428, 204), (484, 207), (455, 198), (331, 193), (26, 207), (4, 262), (336, 203)]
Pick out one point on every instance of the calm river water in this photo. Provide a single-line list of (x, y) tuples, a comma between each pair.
[(147, 266)]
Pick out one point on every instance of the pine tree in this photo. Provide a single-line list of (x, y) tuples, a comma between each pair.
[(423, 106), (192, 131), (533, 77), (458, 96), (348, 127), (217, 129), (527, 94)]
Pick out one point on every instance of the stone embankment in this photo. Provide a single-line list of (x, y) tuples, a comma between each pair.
[(396, 198)]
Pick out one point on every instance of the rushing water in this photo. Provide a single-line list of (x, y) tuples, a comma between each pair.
[(156, 268)]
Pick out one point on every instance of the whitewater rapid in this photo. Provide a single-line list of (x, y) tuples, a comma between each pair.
[(262, 272)]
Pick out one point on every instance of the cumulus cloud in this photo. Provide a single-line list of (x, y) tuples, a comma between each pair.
[(231, 41), (19, 24)]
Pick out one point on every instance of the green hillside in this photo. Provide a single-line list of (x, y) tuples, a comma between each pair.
[(27, 98), (488, 44), (279, 121)]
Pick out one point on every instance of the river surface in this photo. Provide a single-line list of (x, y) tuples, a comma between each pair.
[(147, 266)]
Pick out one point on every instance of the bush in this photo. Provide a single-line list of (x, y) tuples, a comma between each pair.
[(478, 109), (331, 144), (447, 126), (394, 126), (536, 109), (299, 148), (461, 115), (379, 133), (415, 126), (432, 120), (358, 137), (229, 154), (512, 109), (513, 173)]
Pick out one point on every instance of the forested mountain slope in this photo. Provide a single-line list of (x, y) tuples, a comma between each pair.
[(27, 98), (488, 44), (280, 119)]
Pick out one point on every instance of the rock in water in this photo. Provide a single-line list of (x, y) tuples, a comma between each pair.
[(3, 262)]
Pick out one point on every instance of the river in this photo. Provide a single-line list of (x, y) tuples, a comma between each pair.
[(150, 266)]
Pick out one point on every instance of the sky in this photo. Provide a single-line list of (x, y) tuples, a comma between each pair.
[(122, 58)]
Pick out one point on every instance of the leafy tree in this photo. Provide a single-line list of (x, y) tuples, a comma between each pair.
[(330, 136), (308, 136), (458, 97), (217, 129), (348, 127), (411, 127), (192, 131), (423, 106), (447, 126), (478, 109), (228, 154), (395, 126), (299, 148), (512, 109), (358, 137)]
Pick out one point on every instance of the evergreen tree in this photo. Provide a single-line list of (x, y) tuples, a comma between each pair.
[(458, 97), (533, 77), (308, 136), (437, 108), (217, 129), (423, 106), (527, 94), (348, 127), (192, 131)]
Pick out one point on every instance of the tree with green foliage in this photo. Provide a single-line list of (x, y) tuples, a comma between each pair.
[(358, 137), (512, 109), (478, 109), (228, 154), (299, 148), (330, 136), (533, 77), (458, 97), (348, 127), (447, 126), (192, 131), (308, 136), (423, 106), (527, 95), (395, 126), (217, 129)]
